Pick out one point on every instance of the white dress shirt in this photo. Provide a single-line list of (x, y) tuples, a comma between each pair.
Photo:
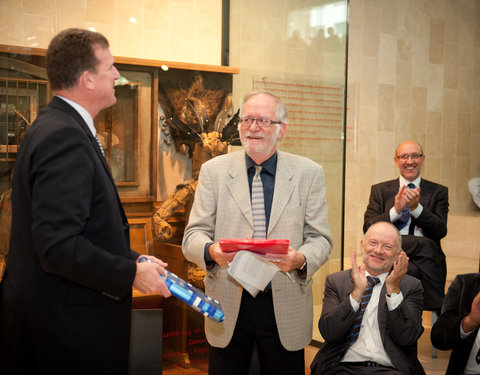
[(369, 345), (82, 112), (472, 366)]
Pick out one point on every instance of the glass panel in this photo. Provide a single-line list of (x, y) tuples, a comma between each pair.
[(21, 98), (117, 128), (20, 101), (296, 49)]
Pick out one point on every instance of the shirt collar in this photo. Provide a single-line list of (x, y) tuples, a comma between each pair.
[(382, 276), (82, 112), (269, 165), (416, 182)]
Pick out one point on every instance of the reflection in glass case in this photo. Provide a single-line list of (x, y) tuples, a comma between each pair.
[(20, 102), (117, 129)]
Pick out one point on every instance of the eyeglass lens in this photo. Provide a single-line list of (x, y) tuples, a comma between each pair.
[(247, 121), (413, 156)]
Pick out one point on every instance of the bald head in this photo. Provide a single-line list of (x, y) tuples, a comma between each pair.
[(409, 159), (380, 247)]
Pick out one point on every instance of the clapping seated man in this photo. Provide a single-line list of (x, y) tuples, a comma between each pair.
[(372, 314), (457, 327), (418, 208)]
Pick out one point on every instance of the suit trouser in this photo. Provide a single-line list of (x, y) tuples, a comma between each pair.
[(427, 263), (357, 370), (256, 325)]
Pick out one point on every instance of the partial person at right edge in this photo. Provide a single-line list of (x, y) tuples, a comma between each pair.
[(457, 327), (418, 208)]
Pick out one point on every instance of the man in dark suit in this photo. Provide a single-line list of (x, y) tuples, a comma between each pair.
[(66, 293), (418, 208), (457, 327), (372, 314)]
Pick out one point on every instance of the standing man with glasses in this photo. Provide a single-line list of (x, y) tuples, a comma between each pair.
[(279, 319), (418, 208)]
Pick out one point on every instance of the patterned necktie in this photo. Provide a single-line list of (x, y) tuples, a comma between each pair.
[(339, 350), (99, 144), (400, 223), (258, 206)]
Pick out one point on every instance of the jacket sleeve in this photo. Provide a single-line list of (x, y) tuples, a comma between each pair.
[(405, 322), (445, 333), (433, 219), (317, 243), (337, 313), (201, 224), (376, 209)]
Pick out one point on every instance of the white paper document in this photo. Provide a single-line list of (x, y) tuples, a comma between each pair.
[(252, 271)]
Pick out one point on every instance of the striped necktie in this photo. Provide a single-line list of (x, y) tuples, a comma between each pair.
[(340, 349), (400, 223), (258, 206), (99, 144)]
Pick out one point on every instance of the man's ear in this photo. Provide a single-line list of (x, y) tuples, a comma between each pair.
[(87, 80), (398, 253), (283, 130), (361, 246)]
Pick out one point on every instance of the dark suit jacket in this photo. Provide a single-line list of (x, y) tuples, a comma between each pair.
[(445, 333), (400, 328), (66, 296), (433, 198)]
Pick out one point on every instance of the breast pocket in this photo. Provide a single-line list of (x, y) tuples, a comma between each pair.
[(295, 214)]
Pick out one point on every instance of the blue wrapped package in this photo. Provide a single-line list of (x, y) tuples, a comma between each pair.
[(192, 296)]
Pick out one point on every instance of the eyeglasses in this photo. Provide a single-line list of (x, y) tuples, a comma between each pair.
[(405, 157), (262, 122)]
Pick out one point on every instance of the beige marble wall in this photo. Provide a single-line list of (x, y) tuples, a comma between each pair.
[(172, 30), (414, 73)]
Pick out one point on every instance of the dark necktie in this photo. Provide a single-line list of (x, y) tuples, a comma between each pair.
[(258, 206), (400, 223), (477, 357), (340, 349)]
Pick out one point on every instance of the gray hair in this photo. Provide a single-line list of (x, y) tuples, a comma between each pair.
[(399, 236), (281, 112)]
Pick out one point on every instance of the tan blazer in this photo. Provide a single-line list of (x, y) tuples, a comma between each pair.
[(222, 209)]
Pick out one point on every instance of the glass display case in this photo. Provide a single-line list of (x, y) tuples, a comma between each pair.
[(20, 101), (117, 128)]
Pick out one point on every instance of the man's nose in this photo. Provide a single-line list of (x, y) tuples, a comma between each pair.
[(255, 124)]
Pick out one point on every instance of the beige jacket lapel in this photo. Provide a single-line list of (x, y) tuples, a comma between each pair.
[(236, 186), (284, 187)]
